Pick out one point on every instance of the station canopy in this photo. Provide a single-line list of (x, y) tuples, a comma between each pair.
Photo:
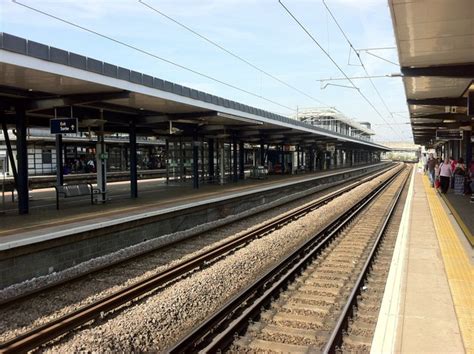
[(48, 81), (435, 41)]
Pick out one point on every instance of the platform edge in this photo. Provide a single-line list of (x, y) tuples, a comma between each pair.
[(385, 335)]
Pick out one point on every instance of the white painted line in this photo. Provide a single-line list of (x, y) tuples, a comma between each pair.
[(385, 334), (119, 220)]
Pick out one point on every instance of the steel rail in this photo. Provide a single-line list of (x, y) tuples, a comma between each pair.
[(336, 337), (365, 177), (44, 333), (234, 316)]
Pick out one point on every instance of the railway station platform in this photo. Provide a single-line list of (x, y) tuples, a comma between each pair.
[(428, 305), (155, 194), (49, 240)]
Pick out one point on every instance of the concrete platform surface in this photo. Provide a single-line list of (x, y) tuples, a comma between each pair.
[(153, 195), (428, 305)]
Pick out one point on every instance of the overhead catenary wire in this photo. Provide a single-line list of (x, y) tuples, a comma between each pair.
[(361, 77), (335, 64), (236, 56), (358, 57), (146, 52), (384, 59), (317, 43), (375, 48)]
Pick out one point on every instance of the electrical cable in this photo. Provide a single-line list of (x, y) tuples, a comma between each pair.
[(360, 77), (236, 56), (386, 60), (152, 55), (337, 66), (360, 59)]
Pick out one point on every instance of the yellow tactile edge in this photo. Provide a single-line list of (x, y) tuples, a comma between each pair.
[(464, 228), (459, 271)]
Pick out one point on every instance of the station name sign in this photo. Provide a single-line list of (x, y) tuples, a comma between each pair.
[(63, 125), (449, 134)]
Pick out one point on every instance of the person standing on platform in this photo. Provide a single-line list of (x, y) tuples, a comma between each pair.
[(90, 166), (459, 177), (453, 163), (431, 164), (424, 161), (445, 173), (431, 169), (471, 181)]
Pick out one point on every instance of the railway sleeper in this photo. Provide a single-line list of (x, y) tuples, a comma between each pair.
[(324, 283), (306, 309), (281, 334), (285, 338), (310, 299), (378, 280), (305, 289), (297, 321), (243, 344), (353, 343), (366, 319), (369, 297), (330, 277)]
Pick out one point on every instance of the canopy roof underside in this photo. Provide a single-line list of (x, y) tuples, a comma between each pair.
[(435, 41)]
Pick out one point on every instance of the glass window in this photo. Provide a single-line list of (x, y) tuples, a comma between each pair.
[(47, 156)]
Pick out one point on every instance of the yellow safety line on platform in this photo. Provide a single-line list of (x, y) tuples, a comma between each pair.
[(458, 218), (459, 271)]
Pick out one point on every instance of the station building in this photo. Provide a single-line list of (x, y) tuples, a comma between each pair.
[(80, 148), (427, 303), (402, 151), (332, 119), (205, 136)]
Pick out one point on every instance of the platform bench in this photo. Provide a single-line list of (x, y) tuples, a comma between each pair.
[(75, 190)]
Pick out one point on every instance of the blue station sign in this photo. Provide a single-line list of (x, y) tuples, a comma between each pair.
[(63, 125)]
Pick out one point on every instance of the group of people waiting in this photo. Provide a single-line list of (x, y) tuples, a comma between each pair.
[(79, 165), (450, 174)]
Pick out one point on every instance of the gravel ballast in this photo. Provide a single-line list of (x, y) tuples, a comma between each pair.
[(156, 321)]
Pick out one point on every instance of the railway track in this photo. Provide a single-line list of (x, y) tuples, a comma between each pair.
[(40, 335), (359, 335), (305, 302), (25, 294)]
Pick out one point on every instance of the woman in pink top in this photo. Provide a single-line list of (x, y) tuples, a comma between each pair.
[(445, 172)]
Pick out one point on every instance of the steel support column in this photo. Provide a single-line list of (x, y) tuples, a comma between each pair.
[(297, 158), (311, 159), (22, 158), (195, 162), (210, 158), (168, 161), (59, 160), (221, 159), (262, 154), (101, 158), (241, 160), (468, 147), (234, 160), (65, 152), (10, 153), (133, 159), (282, 154)]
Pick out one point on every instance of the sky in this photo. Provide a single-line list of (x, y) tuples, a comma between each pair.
[(259, 31)]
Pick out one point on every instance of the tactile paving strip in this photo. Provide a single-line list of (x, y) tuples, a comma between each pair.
[(458, 269)]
